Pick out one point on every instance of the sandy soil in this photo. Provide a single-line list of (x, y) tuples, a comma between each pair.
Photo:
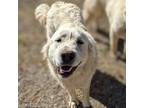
[(37, 89)]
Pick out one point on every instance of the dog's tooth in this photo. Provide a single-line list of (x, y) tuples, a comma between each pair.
[(69, 70), (61, 71)]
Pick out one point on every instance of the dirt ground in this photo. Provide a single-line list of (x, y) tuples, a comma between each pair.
[(37, 89)]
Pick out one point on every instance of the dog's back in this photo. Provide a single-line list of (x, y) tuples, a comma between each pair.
[(64, 12)]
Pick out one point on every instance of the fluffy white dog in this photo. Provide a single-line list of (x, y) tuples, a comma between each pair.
[(70, 50), (115, 11)]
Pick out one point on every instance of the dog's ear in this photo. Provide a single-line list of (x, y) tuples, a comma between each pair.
[(41, 13), (92, 46), (44, 51)]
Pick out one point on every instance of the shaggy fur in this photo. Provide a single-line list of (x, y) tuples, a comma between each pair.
[(66, 33)]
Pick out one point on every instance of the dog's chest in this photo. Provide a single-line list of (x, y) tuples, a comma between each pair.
[(78, 80)]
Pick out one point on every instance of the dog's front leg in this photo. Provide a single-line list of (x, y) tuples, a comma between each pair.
[(73, 102), (83, 95), (113, 42), (85, 100)]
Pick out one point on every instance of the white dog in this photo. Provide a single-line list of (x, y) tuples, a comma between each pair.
[(115, 11), (70, 50)]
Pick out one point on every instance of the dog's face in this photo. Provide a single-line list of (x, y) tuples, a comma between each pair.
[(69, 48), (68, 51)]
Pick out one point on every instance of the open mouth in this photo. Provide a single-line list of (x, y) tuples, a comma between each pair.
[(66, 70)]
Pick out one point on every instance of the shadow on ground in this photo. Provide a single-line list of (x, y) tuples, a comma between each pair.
[(108, 90)]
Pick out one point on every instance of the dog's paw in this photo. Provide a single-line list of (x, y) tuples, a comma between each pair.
[(72, 104), (80, 105), (88, 107)]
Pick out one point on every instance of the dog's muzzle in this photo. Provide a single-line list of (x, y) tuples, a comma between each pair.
[(66, 70), (68, 58)]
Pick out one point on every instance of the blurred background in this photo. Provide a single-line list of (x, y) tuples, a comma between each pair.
[(37, 89)]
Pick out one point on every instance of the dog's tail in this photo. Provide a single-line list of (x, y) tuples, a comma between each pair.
[(41, 13)]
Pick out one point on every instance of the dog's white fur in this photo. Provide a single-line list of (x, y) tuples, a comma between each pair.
[(59, 20), (115, 10)]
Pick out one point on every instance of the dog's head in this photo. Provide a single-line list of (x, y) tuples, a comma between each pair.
[(69, 50)]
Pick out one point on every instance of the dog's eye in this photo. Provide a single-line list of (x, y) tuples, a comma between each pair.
[(58, 40), (80, 42)]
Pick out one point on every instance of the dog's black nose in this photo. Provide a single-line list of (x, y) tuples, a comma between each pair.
[(68, 57)]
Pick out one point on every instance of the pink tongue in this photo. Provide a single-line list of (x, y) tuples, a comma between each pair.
[(63, 71)]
